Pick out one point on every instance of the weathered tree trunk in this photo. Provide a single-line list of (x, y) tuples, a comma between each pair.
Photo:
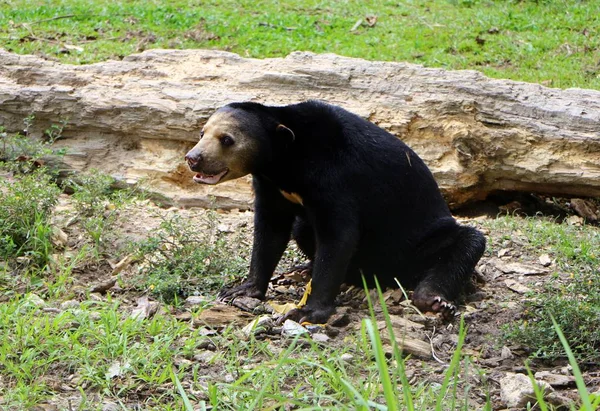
[(136, 118)]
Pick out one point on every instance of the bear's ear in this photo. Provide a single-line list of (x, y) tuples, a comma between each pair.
[(286, 133)]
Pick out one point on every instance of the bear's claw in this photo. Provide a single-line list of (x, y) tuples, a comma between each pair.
[(437, 304), (247, 289), (308, 315)]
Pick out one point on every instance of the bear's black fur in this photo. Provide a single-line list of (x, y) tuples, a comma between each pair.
[(358, 201)]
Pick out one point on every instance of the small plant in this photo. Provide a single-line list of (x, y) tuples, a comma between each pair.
[(25, 207), (54, 132), (91, 191), (180, 259), (576, 311), (22, 152), (97, 203), (589, 402)]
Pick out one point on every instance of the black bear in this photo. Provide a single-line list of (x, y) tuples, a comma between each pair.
[(357, 200)]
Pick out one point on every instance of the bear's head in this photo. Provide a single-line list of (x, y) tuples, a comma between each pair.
[(236, 140)]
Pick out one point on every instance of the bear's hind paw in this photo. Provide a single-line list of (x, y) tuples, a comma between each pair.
[(436, 304)]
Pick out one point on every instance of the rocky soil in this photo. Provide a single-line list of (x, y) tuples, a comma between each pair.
[(506, 272)]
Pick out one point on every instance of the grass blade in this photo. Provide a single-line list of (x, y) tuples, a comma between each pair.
[(453, 367), (388, 389), (373, 332), (539, 394), (406, 392), (184, 397), (583, 392)]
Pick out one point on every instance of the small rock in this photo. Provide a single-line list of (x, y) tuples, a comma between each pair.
[(246, 303), (292, 328), (491, 362), (545, 260), (331, 331), (516, 390), (516, 286), (506, 353), (260, 324), (510, 305), (400, 323), (207, 345), (519, 268), (229, 378), (25, 260), (566, 370), (347, 357), (339, 320), (183, 316), (194, 300), (123, 264), (207, 332), (117, 369), (503, 252), (221, 315), (35, 299), (397, 296), (96, 297), (224, 228), (65, 305), (204, 356), (574, 220), (110, 406), (145, 308), (585, 209), (555, 380), (59, 237), (320, 337), (477, 296), (104, 286)]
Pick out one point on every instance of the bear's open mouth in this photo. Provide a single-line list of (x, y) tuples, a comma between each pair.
[(208, 178)]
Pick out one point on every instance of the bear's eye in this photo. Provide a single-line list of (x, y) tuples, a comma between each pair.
[(227, 141), (201, 133)]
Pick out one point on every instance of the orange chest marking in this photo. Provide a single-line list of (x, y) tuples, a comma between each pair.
[(293, 197)]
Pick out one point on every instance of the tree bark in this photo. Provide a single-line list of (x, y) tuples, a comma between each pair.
[(136, 118)]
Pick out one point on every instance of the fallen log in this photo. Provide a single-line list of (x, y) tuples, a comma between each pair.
[(136, 118)]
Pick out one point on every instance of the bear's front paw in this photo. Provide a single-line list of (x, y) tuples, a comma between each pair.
[(247, 289), (434, 303), (307, 314)]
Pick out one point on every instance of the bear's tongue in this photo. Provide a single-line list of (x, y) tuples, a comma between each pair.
[(208, 179)]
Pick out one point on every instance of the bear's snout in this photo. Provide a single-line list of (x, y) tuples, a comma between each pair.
[(193, 158)]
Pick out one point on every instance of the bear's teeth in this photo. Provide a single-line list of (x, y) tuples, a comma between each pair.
[(208, 178)]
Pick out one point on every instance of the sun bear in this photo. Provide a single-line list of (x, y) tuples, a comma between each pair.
[(357, 200)]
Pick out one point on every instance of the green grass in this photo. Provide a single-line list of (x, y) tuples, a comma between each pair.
[(86, 342), (96, 349), (572, 295), (554, 42)]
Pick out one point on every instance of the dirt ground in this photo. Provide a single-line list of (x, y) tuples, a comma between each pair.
[(505, 273)]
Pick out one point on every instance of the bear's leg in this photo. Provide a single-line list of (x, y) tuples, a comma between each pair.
[(272, 230), (336, 237), (443, 281)]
